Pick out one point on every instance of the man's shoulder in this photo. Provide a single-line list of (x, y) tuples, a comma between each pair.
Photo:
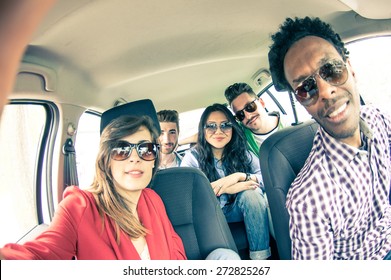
[(305, 179), (369, 112), (178, 156), (190, 158), (375, 119), (191, 152)]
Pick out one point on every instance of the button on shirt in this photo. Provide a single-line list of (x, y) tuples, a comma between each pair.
[(339, 203)]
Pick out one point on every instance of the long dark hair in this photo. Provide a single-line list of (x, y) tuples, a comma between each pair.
[(235, 155)]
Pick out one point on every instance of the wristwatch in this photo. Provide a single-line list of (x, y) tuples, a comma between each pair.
[(248, 177)]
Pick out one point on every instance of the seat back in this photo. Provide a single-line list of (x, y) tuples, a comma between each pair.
[(193, 210), (282, 155)]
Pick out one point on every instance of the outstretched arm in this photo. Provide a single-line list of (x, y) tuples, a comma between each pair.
[(18, 21)]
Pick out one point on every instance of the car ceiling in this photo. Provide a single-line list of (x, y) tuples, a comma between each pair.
[(182, 54)]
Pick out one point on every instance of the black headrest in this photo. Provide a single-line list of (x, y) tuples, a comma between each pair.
[(142, 107)]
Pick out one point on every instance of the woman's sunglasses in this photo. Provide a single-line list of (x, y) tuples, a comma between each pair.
[(146, 151), (212, 127), (333, 72), (249, 108)]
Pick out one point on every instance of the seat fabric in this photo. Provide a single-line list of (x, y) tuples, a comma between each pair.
[(193, 210), (282, 155)]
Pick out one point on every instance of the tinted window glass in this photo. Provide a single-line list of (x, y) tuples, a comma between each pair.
[(20, 137), (284, 101), (87, 146), (371, 59)]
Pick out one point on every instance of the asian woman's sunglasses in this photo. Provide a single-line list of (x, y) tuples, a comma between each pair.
[(211, 128)]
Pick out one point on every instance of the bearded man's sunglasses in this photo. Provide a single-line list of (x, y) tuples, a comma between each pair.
[(333, 72), (249, 108)]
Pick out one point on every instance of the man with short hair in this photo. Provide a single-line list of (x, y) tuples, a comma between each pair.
[(339, 203), (168, 139), (250, 112)]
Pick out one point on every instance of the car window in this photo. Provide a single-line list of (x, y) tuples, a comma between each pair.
[(371, 60), (281, 102), (21, 130), (188, 123), (86, 147)]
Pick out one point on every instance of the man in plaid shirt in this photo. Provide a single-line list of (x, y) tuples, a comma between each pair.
[(339, 204)]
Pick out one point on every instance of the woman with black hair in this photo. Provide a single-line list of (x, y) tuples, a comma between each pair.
[(234, 172)]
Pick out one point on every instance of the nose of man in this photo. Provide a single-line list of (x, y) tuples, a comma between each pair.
[(326, 91)]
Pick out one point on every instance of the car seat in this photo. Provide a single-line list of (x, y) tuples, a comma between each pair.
[(193, 210), (282, 155)]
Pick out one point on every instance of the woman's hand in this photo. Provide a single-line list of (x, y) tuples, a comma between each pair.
[(232, 184)]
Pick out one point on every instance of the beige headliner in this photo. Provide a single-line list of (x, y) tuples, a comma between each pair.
[(182, 54)]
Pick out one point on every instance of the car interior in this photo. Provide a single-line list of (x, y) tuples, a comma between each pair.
[(92, 61)]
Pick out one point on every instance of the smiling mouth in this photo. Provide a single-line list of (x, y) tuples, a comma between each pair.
[(252, 119), (337, 111), (134, 172)]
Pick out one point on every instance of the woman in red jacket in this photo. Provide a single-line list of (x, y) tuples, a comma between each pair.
[(117, 217)]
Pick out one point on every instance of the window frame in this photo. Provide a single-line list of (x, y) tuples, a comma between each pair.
[(43, 171)]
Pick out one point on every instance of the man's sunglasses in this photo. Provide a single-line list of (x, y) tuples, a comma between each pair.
[(249, 108), (333, 72), (123, 149), (212, 127)]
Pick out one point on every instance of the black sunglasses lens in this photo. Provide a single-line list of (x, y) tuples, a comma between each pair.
[(239, 115), (307, 91), (147, 151), (250, 107)]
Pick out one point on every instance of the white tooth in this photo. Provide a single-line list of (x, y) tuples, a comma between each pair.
[(339, 110)]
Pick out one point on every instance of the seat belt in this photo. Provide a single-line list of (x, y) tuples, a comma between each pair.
[(70, 169)]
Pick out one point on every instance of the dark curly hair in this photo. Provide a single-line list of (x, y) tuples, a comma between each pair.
[(235, 156), (237, 89), (291, 31)]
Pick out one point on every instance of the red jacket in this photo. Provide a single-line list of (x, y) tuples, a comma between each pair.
[(77, 230)]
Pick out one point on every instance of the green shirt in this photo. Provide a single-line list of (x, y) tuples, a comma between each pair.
[(250, 136)]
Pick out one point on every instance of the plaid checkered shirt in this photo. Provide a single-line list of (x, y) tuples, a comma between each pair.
[(339, 204)]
